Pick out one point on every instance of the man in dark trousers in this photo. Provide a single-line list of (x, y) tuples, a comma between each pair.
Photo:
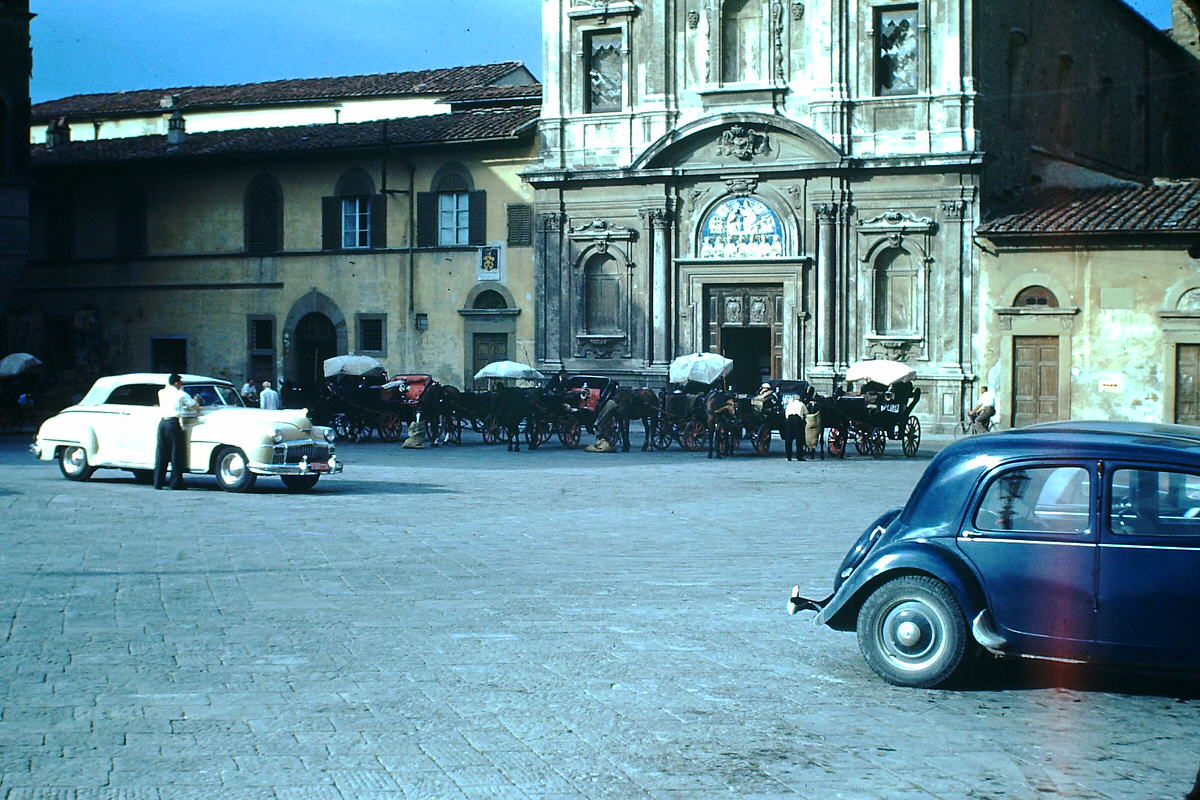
[(176, 406)]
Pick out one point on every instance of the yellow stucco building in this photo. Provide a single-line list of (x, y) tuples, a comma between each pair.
[(255, 230)]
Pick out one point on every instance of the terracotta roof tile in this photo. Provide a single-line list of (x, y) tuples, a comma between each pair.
[(1168, 207), (459, 127), (150, 101)]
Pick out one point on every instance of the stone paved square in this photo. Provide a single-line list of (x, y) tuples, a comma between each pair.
[(471, 623)]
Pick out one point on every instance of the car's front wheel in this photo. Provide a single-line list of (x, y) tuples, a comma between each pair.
[(912, 633), (233, 473), (73, 463), (299, 483)]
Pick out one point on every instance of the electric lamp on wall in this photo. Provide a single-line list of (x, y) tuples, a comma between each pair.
[(422, 322)]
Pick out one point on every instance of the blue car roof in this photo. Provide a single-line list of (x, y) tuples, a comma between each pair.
[(1093, 438)]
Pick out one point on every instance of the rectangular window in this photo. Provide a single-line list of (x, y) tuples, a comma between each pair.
[(261, 350), (356, 222), (1038, 499), (520, 224), (605, 71), (1147, 502), (896, 51), (454, 218), (371, 333)]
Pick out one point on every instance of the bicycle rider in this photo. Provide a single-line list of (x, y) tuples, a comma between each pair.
[(981, 415)]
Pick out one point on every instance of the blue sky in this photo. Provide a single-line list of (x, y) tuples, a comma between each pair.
[(86, 46)]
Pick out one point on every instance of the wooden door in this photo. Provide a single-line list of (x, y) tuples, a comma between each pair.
[(1187, 384), (486, 348), (1035, 380), (745, 307)]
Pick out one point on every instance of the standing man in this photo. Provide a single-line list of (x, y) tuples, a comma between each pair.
[(795, 415), (176, 406), (250, 391), (268, 397)]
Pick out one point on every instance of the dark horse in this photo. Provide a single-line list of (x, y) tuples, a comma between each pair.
[(626, 404), (510, 408), (720, 415)]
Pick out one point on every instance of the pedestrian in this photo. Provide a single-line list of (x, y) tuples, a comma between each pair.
[(795, 414), (250, 392), (981, 415), (176, 407), (268, 398)]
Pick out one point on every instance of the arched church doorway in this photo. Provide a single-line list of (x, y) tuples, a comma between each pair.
[(315, 340), (745, 323)]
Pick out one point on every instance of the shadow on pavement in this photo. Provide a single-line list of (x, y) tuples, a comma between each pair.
[(1018, 674)]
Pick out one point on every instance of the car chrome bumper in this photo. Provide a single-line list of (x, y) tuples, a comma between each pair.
[(303, 467), (798, 603), (36, 449)]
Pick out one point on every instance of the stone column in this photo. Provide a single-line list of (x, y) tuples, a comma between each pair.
[(659, 221), (826, 323), (548, 256)]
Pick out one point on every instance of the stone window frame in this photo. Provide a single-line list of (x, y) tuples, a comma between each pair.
[(589, 240), (255, 354), (610, 17), (263, 215), (898, 230), (361, 323), (920, 11), (354, 186), (451, 178)]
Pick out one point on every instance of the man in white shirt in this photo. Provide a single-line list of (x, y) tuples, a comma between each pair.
[(984, 410), (175, 406), (268, 397), (795, 415)]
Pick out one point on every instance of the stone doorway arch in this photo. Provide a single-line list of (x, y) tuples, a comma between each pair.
[(314, 331)]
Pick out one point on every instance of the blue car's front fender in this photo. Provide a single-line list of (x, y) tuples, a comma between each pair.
[(908, 557)]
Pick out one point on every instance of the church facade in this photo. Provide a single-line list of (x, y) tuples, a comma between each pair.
[(797, 184)]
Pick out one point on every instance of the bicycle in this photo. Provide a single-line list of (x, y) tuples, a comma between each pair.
[(970, 425)]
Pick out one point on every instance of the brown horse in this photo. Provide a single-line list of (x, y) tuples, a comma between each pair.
[(626, 404), (720, 417)]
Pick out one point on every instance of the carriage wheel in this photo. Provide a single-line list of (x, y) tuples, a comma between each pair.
[(862, 442), (359, 431), (910, 439), (664, 432), (762, 440), (537, 433), (609, 432), (877, 442), (568, 433), (491, 430), (836, 446), (341, 426), (692, 436), (390, 427)]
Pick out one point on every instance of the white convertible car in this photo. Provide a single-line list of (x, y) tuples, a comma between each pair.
[(115, 425)]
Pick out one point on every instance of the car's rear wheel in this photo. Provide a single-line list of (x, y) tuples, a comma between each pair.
[(233, 473), (299, 483), (73, 463), (912, 633)]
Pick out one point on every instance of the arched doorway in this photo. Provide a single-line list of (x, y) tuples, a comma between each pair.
[(315, 340)]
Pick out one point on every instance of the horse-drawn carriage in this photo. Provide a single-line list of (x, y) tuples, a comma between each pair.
[(762, 416), (879, 411), (569, 410)]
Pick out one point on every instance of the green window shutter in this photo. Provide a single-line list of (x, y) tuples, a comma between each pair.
[(477, 234), (426, 219), (378, 221), (520, 224), (331, 223)]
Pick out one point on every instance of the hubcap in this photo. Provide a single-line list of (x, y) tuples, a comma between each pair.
[(232, 467), (75, 459), (911, 634)]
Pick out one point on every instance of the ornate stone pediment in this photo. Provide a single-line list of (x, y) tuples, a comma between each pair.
[(897, 222)]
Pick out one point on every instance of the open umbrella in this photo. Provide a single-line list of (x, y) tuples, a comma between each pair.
[(880, 370), (508, 369), (699, 367), (351, 365), (16, 363)]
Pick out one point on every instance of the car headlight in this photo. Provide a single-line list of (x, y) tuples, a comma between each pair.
[(277, 438)]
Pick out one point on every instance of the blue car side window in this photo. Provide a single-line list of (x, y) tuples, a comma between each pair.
[(1037, 499), (1148, 502)]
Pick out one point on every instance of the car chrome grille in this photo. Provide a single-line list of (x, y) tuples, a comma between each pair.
[(293, 452)]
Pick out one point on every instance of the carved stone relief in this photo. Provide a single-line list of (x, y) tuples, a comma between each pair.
[(693, 19), (758, 311), (741, 187), (743, 143), (902, 350), (797, 11)]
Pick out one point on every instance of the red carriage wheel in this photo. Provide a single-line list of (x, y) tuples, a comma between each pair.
[(390, 427), (862, 442), (877, 442), (453, 430), (569, 431), (692, 437), (491, 430), (910, 438), (837, 442), (537, 433), (762, 440)]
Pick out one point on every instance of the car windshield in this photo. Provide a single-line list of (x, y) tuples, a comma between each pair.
[(214, 394)]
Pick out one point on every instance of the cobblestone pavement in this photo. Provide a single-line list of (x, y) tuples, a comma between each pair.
[(470, 623)]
